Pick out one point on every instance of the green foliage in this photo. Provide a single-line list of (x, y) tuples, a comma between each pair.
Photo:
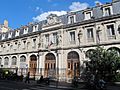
[(103, 63), (117, 77)]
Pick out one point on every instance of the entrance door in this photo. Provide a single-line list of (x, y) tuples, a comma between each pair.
[(50, 65), (33, 65), (73, 65)]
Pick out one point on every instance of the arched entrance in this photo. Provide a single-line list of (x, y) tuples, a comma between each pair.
[(73, 65), (50, 65), (23, 65), (33, 65), (89, 52), (114, 49)]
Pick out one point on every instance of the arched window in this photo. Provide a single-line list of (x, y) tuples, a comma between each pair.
[(115, 49), (73, 55), (89, 52), (50, 56), (6, 61), (14, 60), (33, 58), (23, 59)]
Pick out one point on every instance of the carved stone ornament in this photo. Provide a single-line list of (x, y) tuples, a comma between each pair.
[(98, 28), (52, 19)]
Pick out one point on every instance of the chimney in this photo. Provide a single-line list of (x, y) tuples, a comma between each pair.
[(98, 3), (5, 23)]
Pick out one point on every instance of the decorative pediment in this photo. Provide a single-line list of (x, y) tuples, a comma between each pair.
[(52, 19)]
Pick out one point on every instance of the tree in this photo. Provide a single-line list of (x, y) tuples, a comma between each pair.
[(103, 63)]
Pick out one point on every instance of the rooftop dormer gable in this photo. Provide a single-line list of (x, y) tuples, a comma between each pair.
[(17, 32), (9, 34), (25, 29)]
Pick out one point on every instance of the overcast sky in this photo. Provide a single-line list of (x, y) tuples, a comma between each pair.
[(20, 12)]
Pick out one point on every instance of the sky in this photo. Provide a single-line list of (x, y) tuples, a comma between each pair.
[(21, 12)]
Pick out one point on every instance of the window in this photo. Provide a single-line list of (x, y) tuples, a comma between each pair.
[(47, 39), (54, 65), (10, 35), (34, 43), (28, 44), (25, 30), (35, 28), (110, 30), (72, 37), (45, 65), (14, 60), (17, 33), (48, 65), (22, 59), (71, 19), (90, 35), (107, 11), (6, 61), (88, 15), (54, 38), (24, 44), (3, 36), (68, 65), (51, 66)]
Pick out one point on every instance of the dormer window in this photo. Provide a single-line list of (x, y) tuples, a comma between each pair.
[(3, 36), (71, 19), (10, 35), (25, 30), (88, 15), (35, 28), (107, 11), (17, 33)]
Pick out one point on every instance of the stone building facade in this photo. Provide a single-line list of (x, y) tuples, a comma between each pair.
[(58, 47)]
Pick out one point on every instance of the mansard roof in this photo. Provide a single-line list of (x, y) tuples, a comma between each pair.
[(97, 14)]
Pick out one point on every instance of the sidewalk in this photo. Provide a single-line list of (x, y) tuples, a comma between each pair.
[(68, 86), (63, 85)]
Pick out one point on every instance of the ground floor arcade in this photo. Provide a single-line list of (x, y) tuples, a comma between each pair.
[(60, 64)]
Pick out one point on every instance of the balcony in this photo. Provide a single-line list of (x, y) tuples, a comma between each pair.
[(72, 42), (90, 39), (111, 37)]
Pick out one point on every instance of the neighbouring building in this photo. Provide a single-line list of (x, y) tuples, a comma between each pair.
[(58, 46)]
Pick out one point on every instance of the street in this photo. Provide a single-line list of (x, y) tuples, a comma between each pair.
[(14, 85)]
